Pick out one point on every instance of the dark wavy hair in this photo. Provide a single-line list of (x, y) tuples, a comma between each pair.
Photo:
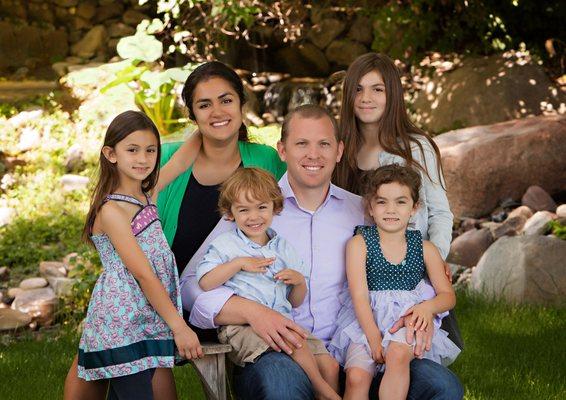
[(214, 69)]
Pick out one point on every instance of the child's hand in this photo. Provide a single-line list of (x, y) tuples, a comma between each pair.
[(377, 352), (187, 343), (290, 277), (420, 317), (255, 264)]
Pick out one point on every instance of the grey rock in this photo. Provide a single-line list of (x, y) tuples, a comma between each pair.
[(107, 11), (61, 68), (52, 269), (86, 9), (343, 52), (538, 223), (484, 91), (510, 227), (467, 248), (523, 269), (13, 319), (13, 292), (74, 159), (361, 30), (33, 283), (133, 18), (66, 3), (323, 33), (70, 182), (62, 287), (40, 304), (538, 199), (29, 139), (525, 211), (90, 43), (23, 117), (561, 211), (119, 30)]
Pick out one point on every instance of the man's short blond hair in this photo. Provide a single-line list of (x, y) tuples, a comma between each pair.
[(255, 183), (308, 111)]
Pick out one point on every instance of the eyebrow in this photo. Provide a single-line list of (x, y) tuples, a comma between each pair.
[(220, 97), (397, 198)]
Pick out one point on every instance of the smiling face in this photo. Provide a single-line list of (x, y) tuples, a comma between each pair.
[(392, 207), (311, 152), (252, 216), (135, 156), (370, 100), (217, 110)]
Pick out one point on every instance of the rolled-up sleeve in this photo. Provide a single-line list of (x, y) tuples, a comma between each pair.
[(440, 217)]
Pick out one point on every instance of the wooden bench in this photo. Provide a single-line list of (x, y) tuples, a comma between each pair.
[(211, 370)]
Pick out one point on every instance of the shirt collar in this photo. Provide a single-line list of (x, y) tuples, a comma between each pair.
[(270, 233), (288, 193)]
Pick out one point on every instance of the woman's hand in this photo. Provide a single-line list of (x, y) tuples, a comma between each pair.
[(187, 343), (255, 264), (290, 277)]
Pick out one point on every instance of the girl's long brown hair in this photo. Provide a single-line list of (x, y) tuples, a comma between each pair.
[(120, 128), (395, 132)]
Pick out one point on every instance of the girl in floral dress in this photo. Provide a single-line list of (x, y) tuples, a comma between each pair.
[(134, 320)]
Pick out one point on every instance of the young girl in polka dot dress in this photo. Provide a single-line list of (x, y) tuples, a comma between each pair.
[(385, 265)]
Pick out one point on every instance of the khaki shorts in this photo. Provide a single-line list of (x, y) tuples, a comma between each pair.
[(248, 346)]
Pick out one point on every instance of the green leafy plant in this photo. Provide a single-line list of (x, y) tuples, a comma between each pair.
[(85, 268), (557, 229), (154, 88)]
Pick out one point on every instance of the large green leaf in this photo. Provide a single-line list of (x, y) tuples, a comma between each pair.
[(140, 46)]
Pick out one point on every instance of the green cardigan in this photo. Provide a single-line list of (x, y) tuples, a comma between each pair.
[(170, 198)]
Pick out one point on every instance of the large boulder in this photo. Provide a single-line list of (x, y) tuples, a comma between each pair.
[(40, 304), (484, 165), (13, 319), (343, 52), (325, 32), (485, 91), (467, 248), (91, 43), (523, 269)]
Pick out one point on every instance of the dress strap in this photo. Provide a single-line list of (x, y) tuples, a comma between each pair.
[(126, 198)]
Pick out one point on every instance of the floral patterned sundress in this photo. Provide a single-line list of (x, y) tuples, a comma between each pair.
[(123, 334)]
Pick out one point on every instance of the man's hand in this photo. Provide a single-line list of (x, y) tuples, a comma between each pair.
[(423, 339), (290, 277), (255, 264), (276, 330)]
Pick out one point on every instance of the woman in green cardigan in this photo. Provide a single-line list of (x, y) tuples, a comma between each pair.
[(214, 95)]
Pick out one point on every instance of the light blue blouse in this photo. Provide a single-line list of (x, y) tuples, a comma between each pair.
[(259, 287), (434, 218)]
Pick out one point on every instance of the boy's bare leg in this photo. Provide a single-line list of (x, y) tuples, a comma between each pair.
[(304, 357), (395, 382), (329, 369), (358, 382)]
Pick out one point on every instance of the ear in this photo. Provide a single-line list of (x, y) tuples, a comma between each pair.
[(416, 207), (340, 151), (281, 150), (109, 153), (228, 216)]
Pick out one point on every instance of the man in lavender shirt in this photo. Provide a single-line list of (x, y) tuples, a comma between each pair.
[(318, 218)]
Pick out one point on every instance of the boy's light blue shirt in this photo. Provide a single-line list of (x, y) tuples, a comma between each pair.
[(259, 287)]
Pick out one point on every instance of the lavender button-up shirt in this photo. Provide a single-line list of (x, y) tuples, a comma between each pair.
[(319, 238)]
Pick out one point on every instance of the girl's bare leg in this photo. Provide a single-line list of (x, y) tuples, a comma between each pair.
[(306, 360), (163, 384), (79, 389), (329, 369), (358, 382), (395, 382), (76, 388)]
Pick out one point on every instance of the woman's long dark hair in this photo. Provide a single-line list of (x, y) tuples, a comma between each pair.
[(120, 128), (396, 132), (214, 69)]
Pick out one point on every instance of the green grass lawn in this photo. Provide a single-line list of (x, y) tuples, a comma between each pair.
[(511, 353)]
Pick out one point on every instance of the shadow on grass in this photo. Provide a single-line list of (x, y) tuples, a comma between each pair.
[(512, 352)]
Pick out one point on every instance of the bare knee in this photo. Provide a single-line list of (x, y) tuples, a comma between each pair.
[(398, 353), (358, 378)]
